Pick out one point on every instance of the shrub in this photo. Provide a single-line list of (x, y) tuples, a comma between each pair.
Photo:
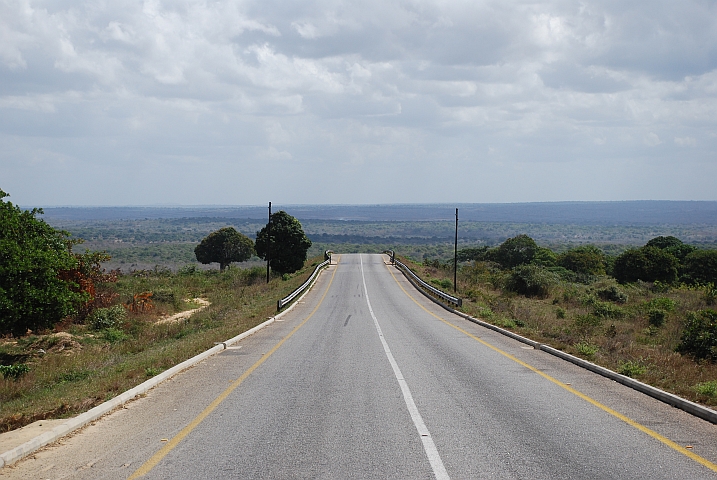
[(710, 294), (531, 280), (662, 303), (708, 389), (14, 371), (672, 245), (586, 349), (607, 310), (613, 294), (700, 266), (648, 264), (656, 317), (631, 368), (33, 255), (699, 337), (114, 335), (586, 260), (111, 317), (443, 283), (515, 251)]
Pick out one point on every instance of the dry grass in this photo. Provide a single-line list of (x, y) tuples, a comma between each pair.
[(81, 368), (619, 336)]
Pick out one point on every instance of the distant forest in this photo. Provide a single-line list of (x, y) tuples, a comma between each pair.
[(141, 237)]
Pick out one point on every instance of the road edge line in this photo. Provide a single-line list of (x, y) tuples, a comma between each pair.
[(21, 451), (671, 399)]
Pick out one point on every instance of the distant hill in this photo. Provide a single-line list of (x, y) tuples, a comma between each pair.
[(654, 212)]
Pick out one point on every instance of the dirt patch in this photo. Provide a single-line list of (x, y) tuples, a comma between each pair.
[(184, 315)]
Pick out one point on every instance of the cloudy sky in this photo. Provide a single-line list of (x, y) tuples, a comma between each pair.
[(241, 102)]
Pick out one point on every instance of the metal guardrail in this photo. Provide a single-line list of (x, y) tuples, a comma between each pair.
[(416, 279), (286, 300)]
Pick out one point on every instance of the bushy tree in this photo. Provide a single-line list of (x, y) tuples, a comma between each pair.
[(519, 250), (586, 260), (224, 246), (672, 245), (648, 264), (700, 266), (33, 255), (699, 337), (287, 245), (531, 280)]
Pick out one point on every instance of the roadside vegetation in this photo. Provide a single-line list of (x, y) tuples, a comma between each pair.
[(73, 336), (60, 372), (655, 322)]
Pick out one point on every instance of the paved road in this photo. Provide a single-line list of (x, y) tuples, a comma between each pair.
[(368, 379)]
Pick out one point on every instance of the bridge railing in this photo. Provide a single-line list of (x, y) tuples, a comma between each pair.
[(287, 300), (416, 280)]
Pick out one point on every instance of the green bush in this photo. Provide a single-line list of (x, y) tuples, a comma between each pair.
[(607, 310), (33, 256), (586, 349), (699, 337), (613, 294), (700, 266), (586, 260), (443, 283), (531, 281), (114, 335), (672, 245), (648, 264), (708, 389), (631, 369), (662, 303), (110, 317), (656, 317), (14, 371), (515, 251)]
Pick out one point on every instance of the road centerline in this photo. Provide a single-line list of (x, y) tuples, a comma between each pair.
[(434, 458)]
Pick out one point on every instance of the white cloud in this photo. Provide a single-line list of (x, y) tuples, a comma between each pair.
[(370, 86)]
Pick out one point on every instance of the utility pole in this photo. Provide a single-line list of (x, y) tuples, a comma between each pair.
[(268, 243), (455, 258)]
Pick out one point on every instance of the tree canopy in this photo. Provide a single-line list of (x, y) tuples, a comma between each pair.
[(224, 246), (33, 257), (586, 260), (519, 250), (647, 264), (286, 246)]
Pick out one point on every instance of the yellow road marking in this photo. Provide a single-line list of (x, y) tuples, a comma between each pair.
[(642, 428), (157, 457)]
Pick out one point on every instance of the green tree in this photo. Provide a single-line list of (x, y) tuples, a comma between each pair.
[(586, 260), (33, 255), (672, 245), (647, 264), (515, 251), (224, 246), (700, 266), (287, 246)]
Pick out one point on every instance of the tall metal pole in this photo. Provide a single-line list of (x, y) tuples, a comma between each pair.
[(268, 243), (455, 258)]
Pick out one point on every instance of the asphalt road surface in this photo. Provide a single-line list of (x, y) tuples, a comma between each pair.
[(368, 379)]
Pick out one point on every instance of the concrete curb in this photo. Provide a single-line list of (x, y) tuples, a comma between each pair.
[(668, 398), (72, 424)]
